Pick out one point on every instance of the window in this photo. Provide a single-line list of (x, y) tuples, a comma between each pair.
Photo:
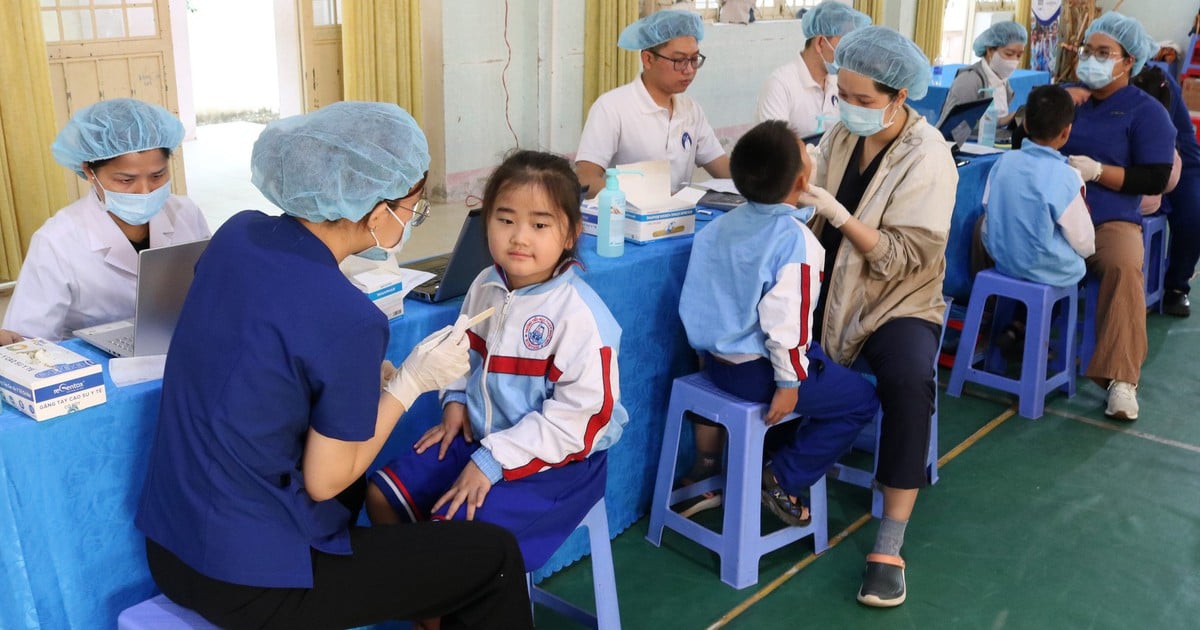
[(965, 20), (81, 20)]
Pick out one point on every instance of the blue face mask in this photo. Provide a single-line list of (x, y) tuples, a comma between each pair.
[(135, 208), (1095, 73), (384, 254), (863, 121), (830, 67)]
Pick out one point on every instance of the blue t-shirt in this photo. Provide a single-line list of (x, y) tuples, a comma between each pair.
[(1128, 128), (1185, 132), (272, 340)]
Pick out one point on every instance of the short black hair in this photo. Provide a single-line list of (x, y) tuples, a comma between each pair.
[(765, 162), (1048, 110), (552, 173), (1153, 81)]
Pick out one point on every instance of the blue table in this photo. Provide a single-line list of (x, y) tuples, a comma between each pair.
[(70, 556), (1022, 81)]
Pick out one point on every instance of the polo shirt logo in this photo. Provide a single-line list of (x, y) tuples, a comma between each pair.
[(538, 332), (686, 140)]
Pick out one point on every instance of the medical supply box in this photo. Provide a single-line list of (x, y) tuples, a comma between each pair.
[(45, 380), (380, 283), (644, 228), (652, 213)]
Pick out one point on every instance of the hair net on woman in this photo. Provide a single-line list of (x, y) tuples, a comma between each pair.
[(339, 161), (1000, 35), (832, 19), (1129, 34), (660, 27), (114, 127), (886, 56)]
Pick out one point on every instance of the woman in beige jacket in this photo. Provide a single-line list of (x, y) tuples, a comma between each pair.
[(884, 265)]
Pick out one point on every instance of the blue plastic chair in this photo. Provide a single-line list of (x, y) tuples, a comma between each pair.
[(604, 579), (1035, 383), (741, 543), (160, 613), (1154, 258)]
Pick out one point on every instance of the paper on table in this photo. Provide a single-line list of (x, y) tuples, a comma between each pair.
[(724, 185), (651, 192), (130, 370), (978, 149)]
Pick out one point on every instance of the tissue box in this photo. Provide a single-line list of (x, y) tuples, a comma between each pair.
[(45, 380), (645, 228), (385, 288)]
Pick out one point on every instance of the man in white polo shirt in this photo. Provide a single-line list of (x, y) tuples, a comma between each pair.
[(805, 90), (650, 118)]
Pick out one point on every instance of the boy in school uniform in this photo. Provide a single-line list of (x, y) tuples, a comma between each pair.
[(747, 302)]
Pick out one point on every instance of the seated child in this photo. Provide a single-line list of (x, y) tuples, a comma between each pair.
[(748, 298), (523, 437), (1036, 223)]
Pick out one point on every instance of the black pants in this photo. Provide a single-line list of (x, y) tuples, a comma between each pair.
[(469, 573), (900, 354)]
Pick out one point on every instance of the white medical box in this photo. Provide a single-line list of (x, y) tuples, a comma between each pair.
[(382, 284), (45, 380), (646, 228)]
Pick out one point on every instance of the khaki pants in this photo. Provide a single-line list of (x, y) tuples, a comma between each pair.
[(1121, 309)]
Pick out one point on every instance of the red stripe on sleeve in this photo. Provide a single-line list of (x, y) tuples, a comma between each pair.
[(477, 344)]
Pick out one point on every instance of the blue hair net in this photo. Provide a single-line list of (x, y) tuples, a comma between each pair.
[(339, 161), (659, 27), (1000, 35), (1129, 34), (832, 19), (115, 127), (886, 56)]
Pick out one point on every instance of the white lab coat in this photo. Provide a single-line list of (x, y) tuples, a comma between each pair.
[(81, 270)]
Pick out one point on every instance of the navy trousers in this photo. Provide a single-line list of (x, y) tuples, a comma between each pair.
[(1184, 220)]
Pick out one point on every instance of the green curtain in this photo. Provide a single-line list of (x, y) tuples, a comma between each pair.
[(381, 53), (928, 31), (873, 8), (604, 65)]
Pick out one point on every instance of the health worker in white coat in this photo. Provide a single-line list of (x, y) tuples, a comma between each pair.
[(81, 269), (804, 91)]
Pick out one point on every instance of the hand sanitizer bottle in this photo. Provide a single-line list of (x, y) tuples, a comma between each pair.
[(610, 215), (987, 122)]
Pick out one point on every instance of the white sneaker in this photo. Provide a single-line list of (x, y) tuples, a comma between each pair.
[(1122, 401)]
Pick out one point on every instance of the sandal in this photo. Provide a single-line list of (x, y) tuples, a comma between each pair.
[(704, 467), (883, 581), (794, 513)]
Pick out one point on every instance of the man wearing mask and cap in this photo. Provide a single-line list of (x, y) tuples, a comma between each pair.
[(81, 269), (650, 118), (804, 92)]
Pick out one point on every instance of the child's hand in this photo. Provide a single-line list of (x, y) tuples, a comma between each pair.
[(782, 403), (454, 421), (471, 487)]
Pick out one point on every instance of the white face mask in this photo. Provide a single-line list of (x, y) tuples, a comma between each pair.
[(1003, 67), (1095, 73), (864, 121), (381, 253), (135, 208)]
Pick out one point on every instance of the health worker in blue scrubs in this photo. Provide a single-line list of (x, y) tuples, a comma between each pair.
[(271, 406), (1123, 145)]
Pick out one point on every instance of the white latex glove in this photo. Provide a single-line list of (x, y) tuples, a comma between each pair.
[(434, 363), (825, 204), (1088, 168)]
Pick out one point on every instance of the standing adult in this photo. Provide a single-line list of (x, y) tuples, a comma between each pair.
[(271, 406), (81, 269), (1000, 48), (804, 91), (1123, 145), (651, 118), (884, 222), (1182, 206)]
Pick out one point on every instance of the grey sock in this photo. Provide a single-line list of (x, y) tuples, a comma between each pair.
[(890, 537)]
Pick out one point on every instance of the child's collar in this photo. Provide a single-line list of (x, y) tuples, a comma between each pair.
[(500, 278)]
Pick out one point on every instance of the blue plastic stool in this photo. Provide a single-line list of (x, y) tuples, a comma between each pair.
[(741, 542), (1154, 258), (160, 613), (604, 579), (1034, 384), (868, 439)]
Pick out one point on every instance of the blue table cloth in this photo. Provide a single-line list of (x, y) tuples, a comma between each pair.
[(70, 556), (968, 207), (1022, 81)]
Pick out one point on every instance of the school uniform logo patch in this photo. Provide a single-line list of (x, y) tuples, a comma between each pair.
[(537, 332), (686, 139)]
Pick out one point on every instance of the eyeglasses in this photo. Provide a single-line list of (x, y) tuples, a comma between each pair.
[(1104, 54), (681, 64), (420, 211)]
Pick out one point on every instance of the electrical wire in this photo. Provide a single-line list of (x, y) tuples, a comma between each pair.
[(504, 79)]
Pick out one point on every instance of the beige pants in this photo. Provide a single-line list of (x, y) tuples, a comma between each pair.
[(1121, 310)]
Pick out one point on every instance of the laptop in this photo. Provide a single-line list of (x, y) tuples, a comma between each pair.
[(164, 277), (454, 272), (969, 112), (720, 200)]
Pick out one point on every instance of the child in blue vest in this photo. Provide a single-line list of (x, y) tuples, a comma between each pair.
[(523, 437), (748, 298)]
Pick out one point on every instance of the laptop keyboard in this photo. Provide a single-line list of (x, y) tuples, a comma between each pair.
[(124, 344)]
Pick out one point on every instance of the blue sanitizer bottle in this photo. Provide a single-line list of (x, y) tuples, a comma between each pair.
[(987, 122), (610, 215)]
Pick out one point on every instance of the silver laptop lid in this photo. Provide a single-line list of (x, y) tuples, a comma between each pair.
[(164, 277)]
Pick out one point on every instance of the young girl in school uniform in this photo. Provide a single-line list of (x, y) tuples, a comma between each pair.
[(523, 437)]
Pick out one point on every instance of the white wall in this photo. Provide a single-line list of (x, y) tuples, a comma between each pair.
[(1163, 19)]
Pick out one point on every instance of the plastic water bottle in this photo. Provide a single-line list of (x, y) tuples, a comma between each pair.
[(610, 215), (937, 71), (987, 122)]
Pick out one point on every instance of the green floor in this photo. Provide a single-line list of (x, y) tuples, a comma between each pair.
[(1070, 521)]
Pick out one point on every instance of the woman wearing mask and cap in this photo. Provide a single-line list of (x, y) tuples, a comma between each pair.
[(271, 407), (804, 92), (81, 269), (1000, 47), (1123, 145), (883, 221)]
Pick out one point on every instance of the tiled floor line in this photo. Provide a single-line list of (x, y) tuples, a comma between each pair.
[(855, 526)]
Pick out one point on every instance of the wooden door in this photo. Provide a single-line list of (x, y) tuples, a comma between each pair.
[(321, 51)]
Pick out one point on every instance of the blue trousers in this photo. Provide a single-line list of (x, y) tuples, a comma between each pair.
[(836, 403), (1184, 219)]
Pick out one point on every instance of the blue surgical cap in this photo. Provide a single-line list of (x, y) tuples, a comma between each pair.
[(832, 19), (1129, 34), (339, 161), (886, 56), (115, 127), (660, 27), (1000, 35)]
